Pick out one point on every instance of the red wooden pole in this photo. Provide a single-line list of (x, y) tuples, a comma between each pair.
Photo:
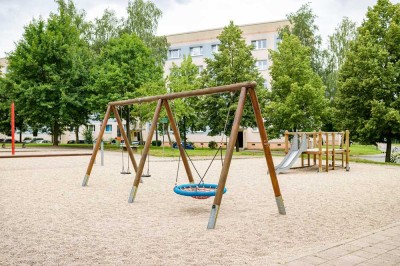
[(12, 129)]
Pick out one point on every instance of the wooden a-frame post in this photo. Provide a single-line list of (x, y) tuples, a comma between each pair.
[(110, 108), (229, 152)]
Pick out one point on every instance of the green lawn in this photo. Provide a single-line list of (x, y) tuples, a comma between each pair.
[(357, 149)]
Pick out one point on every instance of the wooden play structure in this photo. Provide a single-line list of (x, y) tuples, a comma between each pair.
[(163, 100), (331, 145)]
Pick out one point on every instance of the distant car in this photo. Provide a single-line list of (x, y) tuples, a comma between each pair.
[(189, 146), (43, 141), (74, 142), (36, 140), (10, 140), (27, 140)]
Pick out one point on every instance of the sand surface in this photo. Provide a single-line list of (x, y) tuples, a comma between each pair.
[(48, 218)]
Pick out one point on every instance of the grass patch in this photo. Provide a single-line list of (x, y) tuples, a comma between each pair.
[(357, 149)]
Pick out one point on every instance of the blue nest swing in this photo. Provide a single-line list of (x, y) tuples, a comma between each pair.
[(197, 191)]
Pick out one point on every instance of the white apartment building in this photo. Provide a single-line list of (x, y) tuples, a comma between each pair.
[(202, 44)]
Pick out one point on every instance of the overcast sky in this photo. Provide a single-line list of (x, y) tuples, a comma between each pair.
[(185, 15)]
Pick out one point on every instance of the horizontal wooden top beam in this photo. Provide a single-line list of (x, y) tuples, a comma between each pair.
[(186, 94)]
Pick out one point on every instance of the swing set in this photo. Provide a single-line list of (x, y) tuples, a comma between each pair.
[(201, 189)]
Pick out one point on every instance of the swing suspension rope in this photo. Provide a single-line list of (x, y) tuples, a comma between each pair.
[(202, 190), (122, 150)]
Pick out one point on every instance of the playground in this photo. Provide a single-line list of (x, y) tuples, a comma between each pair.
[(47, 217)]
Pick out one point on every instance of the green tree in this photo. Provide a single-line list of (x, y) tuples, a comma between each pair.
[(124, 65), (49, 69), (233, 63), (368, 101), (184, 78), (296, 100), (338, 46), (5, 103), (142, 20), (302, 25), (103, 29)]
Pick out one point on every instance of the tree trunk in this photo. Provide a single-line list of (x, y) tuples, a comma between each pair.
[(157, 134), (76, 130), (237, 144), (388, 149), (56, 129), (184, 133), (128, 127), (169, 137)]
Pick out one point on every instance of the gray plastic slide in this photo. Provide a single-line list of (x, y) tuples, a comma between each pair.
[(294, 153)]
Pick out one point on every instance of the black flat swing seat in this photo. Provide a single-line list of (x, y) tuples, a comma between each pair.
[(197, 191)]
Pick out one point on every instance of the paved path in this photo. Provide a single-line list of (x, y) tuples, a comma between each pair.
[(380, 247)]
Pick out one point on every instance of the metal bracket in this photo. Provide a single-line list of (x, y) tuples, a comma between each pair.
[(213, 217), (281, 206)]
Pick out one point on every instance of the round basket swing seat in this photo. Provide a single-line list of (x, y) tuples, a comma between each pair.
[(197, 191)]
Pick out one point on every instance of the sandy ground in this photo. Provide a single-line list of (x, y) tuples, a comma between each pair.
[(48, 218)]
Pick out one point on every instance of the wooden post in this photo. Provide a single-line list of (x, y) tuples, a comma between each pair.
[(227, 161), (178, 141), (342, 147), (13, 128), (145, 152), (286, 142), (267, 151), (314, 144), (327, 152), (347, 150), (333, 150), (96, 147), (320, 151), (124, 136)]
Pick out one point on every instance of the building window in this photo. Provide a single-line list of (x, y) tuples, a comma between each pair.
[(108, 128), (200, 68), (262, 64), (259, 44), (196, 51), (91, 128), (215, 48), (277, 41), (175, 53)]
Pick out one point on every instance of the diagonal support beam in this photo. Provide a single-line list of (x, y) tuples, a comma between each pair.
[(145, 152), (267, 151), (178, 141), (125, 137), (96, 147), (227, 161)]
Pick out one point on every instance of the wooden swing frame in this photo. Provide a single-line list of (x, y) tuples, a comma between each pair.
[(244, 88)]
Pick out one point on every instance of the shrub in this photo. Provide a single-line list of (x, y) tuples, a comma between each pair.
[(212, 145), (88, 136), (156, 143)]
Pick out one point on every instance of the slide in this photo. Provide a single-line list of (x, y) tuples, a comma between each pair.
[(294, 153)]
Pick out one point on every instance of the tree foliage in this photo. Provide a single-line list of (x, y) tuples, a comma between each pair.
[(296, 100), (103, 29), (338, 46), (302, 25), (184, 78), (124, 65), (233, 63), (49, 69), (368, 102)]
